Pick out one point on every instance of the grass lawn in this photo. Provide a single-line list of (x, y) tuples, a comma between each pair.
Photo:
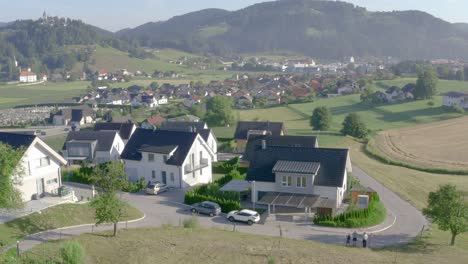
[(55, 142), (177, 245), (11, 95), (52, 218)]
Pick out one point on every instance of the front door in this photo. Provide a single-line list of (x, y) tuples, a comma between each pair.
[(40, 187), (164, 177)]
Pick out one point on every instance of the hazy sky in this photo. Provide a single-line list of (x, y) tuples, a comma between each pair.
[(118, 14)]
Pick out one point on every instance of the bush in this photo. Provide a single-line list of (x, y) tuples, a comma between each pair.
[(73, 253), (191, 223), (134, 187), (80, 175)]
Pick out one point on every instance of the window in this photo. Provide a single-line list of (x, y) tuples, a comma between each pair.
[(165, 158), (151, 157), (52, 181), (153, 174), (172, 177), (201, 157), (301, 182), (43, 162), (286, 181)]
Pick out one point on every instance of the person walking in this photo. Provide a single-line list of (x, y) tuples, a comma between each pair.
[(365, 237), (354, 238), (348, 240)]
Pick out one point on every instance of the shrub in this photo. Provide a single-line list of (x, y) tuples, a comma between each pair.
[(430, 103), (191, 223), (80, 175), (134, 187), (73, 253)]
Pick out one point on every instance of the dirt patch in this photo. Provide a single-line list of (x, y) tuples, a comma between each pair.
[(437, 145)]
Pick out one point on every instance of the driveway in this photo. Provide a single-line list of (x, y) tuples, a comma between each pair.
[(403, 223)]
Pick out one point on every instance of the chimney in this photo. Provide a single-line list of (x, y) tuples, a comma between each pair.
[(264, 144)]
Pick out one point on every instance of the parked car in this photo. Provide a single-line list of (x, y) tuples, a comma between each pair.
[(155, 188), (208, 208), (245, 215)]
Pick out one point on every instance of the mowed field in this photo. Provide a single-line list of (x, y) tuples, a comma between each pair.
[(436, 145), (48, 92)]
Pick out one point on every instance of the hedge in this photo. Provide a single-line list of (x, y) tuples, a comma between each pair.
[(212, 192), (373, 215), (80, 175)]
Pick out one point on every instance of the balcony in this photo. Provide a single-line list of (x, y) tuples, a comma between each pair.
[(191, 167)]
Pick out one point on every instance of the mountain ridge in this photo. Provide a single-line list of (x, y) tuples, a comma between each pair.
[(323, 29)]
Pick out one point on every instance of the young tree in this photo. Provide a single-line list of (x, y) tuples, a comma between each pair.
[(10, 176), (109, 178), (321, 118), (219, 111), (426, 85), (353, 126), (447, 208)]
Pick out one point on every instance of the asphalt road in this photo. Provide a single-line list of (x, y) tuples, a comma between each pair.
[(403, 222)]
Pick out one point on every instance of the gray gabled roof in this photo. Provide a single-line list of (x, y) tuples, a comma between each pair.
[(243, 128), (159, 140), (330, 173), (285, 141), (104, 139), (124, 129), (183, 126), (291, 166), (16, 141)]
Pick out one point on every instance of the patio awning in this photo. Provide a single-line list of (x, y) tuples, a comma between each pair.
[(289, 199), (236, 186)]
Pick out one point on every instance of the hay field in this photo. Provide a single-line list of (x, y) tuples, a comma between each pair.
[(436, 145)]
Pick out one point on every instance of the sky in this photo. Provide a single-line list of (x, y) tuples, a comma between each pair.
[(118, 14)]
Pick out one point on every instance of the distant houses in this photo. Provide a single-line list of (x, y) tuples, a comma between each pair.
[(27, 76), (459, 99)]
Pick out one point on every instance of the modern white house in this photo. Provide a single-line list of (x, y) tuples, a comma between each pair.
[(39, 168), (27, 77), (299, 177), (459, 99), (93, 146), (178, 159)]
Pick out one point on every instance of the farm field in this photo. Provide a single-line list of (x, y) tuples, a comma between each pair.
[(12, 95), (436, 145), (178, 245)]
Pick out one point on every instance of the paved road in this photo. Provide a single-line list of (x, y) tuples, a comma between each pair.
[(403, 223)]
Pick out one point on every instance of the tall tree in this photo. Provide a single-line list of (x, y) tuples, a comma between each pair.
[(353, 126), (10, 176), (426, 85), (321, 118), (109, 178), (448, 208), (219, 111)]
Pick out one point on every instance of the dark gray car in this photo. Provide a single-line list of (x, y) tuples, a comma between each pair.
[(208, 208)]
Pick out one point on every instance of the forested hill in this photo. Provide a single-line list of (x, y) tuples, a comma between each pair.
[(324, 29), (50, 44)]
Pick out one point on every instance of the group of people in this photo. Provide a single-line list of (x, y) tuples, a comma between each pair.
[(354, 238)]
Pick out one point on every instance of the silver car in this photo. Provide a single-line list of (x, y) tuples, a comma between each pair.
[(155, 188)]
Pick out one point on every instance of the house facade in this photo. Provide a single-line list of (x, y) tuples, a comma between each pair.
[(39, 168), (93, 146), (77, 115), (459, 99), (313, 178), (178, 159), (27, 77)]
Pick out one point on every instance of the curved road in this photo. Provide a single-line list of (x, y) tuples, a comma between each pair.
[(403, 222)]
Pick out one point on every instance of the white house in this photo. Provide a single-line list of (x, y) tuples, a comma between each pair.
[(39, 169), (310, 178), (93, 146), (459, 99), (125, 130), (77, 115), (178, 159), (27, 76)]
